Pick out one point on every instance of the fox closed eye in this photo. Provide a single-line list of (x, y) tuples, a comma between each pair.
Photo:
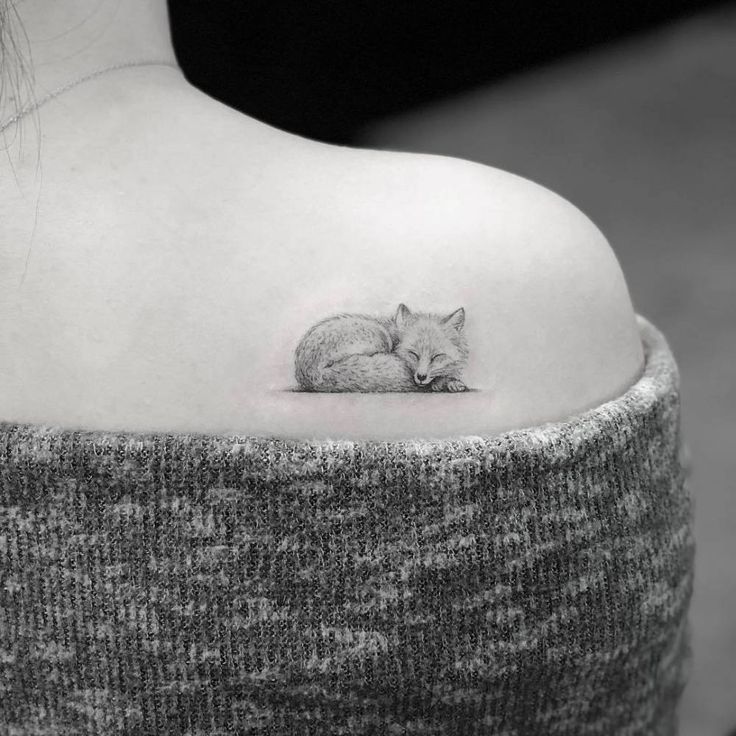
[(434, 357)]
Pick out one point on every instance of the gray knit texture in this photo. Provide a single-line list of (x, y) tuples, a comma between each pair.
[(532, 583)]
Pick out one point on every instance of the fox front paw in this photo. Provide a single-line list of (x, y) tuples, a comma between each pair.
[(448, 384)]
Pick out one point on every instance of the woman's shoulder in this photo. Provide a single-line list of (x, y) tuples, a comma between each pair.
[(545, 294), (544, 267), (172, 271)]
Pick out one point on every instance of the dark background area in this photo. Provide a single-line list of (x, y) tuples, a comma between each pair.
[(325, 69)]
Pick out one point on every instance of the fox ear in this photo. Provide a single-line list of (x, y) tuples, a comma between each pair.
[(402, 313), (456, 319)]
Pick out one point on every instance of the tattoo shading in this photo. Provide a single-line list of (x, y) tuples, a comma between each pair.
[(410, 351)]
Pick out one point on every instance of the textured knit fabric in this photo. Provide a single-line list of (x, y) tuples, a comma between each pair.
[(532, 583)]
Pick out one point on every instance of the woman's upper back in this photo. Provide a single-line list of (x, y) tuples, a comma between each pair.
[(172, 252)]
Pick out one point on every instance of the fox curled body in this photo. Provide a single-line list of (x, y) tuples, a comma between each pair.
[(411, 351)]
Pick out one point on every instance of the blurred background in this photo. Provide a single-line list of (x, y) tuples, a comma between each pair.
[(626, 109)]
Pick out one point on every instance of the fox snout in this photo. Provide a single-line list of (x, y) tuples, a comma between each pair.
[(421, 379)]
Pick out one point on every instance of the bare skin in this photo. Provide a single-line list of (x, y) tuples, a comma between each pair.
[(160, 271)]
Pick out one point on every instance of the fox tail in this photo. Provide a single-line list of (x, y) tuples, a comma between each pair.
[(359, 372)]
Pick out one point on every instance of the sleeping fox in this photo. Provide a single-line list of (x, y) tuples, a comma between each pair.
[(411, 351)]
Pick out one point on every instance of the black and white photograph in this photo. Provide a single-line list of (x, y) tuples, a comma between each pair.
[(367, 368)]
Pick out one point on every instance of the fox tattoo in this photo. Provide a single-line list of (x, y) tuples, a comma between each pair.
[(411, 351)]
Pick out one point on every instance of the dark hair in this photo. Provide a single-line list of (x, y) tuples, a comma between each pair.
[(16, 73), (16, 68)]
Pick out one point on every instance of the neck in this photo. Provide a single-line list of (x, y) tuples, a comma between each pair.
[(72, 38)]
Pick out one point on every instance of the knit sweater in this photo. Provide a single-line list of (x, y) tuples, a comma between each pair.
[(531, 583)]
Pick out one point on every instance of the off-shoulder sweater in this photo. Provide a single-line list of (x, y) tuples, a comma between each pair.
[(527, 584)]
